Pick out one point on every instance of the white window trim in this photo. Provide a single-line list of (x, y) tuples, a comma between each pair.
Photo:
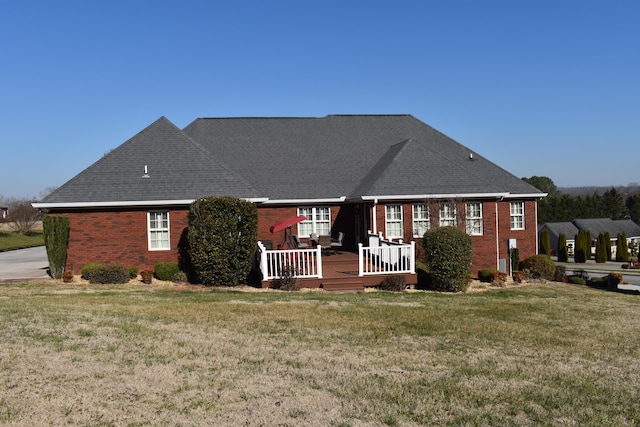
[(478, 218), (453, 210), (519, 215), (313, 221), (150, 230), (387, 221), (414, 219)]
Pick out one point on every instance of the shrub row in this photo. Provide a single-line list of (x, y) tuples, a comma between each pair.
[(116, 273)]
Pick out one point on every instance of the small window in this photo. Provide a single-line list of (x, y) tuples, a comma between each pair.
[(474, 219), (517, 215), (318, 221), (420, 219), (393, 219), (159, 231), (447, 214)]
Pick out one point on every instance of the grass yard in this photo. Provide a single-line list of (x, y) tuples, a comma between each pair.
[(10, 241), (153, 355)]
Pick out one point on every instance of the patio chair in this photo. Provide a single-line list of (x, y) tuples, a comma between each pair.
[(325, 242), (337, 243), (299, 244)]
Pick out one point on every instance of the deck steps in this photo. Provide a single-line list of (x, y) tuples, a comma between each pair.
[(337, 285)]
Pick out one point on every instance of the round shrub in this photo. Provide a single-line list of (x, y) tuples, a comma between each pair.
[(539, 267), (166, 270), (577, 280), (448, 252), (106, 273), (486, 275), (393, 283), (133, 272)]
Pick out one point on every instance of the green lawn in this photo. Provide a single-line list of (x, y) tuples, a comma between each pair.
[(10, 241), (154, 355)]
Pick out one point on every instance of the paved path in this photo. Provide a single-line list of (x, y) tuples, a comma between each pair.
[(28, 263)]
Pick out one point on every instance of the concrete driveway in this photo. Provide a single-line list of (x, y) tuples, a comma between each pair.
[(31, 263)]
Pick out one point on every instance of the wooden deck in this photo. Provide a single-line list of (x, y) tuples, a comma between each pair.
[(340, 273)]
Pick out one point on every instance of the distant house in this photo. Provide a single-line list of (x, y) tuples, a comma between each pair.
[(4, 212), (594, 226), (362, 175)]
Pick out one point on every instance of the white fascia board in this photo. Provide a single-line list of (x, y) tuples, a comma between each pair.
[(436, 196), (132, 203), (526, 196), (305, 201)]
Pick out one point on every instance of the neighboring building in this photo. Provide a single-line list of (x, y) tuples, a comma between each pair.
[(4, 212), (594, 226), (353, 174)]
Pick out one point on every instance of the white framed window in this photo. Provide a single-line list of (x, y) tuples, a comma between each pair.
[(158, 230), (393, 220), (447, 214), (517, 215), (420, 219), (474, 219), (318, 221)]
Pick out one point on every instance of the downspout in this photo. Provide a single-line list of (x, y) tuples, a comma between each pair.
[(497, 239), (536, 228), (373, 214)]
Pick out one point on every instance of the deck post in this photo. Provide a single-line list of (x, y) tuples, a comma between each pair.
[(360, 260), (263, 261), (412, 257), (319, 261)]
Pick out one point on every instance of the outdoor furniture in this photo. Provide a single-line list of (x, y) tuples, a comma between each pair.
[(325, 242), (337, 243), (314, 240), (298, 243)]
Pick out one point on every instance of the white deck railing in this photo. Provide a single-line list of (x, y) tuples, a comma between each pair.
[(387, 257), (304, 263)]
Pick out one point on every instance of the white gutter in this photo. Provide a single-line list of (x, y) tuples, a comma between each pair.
[(127, 203), (436, 196), (526, 196), (304, 201)]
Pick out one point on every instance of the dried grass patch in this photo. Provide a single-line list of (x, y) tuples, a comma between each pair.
[(148, 355)]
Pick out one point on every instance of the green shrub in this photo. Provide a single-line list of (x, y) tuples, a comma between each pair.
[(166, 270), (56, 239), (601, 249), (448, 253), (577, 280), (560, 274), (563, 253), (222, 239), (539, 267), (545, 243), (622, 251), (106, 273), (393, 283), (485, 275), (87, 269), (147, 276), (514, 253), (133, 272)]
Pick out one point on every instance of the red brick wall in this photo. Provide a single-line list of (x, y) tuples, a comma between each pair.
[(119, 237)]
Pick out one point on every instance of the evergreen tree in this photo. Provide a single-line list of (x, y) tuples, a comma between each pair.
[(613, 205), (601, 249), (580, 255), (545, 243), (633, 207), (563, 255), (622, 251), (607, 241)]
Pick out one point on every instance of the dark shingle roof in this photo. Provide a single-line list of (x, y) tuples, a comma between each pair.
[(595, 226), (288, 158)]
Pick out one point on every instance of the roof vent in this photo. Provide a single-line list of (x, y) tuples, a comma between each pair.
[(146, 172), (471, 156)]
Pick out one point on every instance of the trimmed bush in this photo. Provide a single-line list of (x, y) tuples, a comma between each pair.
[(166, 270), (106, 273), (67, 276), (147, 276), (563, 253), (583, 246), (560, 274), (514, 253), (601, 249), (622, 251), (393, 283), (518, 276), (222, 239), (485, 275), (545, 243), (87, 269), (448, 253), (56, 240), (133, 272), (539, 267)]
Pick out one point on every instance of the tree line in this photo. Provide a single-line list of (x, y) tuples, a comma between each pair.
[(561, 207)]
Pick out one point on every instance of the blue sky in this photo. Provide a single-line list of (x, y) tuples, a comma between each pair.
[(549, 88)]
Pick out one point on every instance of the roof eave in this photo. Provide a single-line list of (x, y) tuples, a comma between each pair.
[(128, 203)]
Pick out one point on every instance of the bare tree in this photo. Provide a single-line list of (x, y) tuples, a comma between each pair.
[(22, 216)]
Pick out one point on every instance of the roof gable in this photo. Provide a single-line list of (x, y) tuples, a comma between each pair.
[(177, 168)]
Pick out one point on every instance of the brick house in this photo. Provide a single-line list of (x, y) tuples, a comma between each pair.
[(363, 175)]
